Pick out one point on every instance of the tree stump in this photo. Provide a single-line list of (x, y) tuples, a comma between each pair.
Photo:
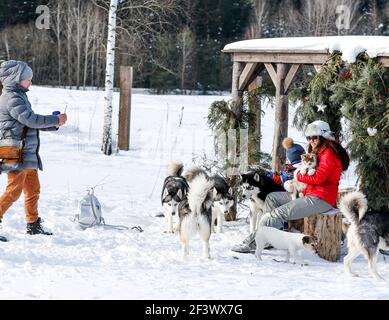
[(296, 224), (327, 228)]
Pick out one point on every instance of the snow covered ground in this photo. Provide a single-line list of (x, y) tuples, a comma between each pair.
[(104, 263)]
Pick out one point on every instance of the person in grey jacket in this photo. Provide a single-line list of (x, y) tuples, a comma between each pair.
[(15, 114)]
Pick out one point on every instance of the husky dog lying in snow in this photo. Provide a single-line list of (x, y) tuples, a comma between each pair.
[(308, 166), (368, 232), (289, 241), (223, 200), (256, 185), (174, 189), (195, 212)]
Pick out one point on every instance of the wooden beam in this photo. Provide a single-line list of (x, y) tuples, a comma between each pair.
[(291, 73), (281, 118), (384, 60), (272, 73), (271, 57), (125, 108), (236, 72), (246, 75)]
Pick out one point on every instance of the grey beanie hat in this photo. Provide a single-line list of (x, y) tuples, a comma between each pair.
[(26, 74)]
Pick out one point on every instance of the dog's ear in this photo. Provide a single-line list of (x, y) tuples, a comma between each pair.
[(179, 194), (257, 177), (230, 191), (165, 193)]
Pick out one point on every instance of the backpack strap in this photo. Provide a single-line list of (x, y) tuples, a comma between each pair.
[(24, 133)]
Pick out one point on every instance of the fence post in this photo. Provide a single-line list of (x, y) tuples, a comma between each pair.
[(125, 108)]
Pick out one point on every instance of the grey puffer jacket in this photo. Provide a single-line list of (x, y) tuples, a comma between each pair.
[(16, 113)]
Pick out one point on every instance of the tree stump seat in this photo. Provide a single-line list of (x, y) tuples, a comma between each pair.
[(327, 228)]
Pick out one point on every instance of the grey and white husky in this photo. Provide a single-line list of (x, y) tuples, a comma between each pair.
[(195, 212), (223, 200), (222, 196), (368, 232), (174, 190)]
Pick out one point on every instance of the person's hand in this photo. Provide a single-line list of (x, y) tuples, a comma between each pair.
[(62, 119)]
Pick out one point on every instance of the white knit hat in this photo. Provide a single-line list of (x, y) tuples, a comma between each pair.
[(319, 128)]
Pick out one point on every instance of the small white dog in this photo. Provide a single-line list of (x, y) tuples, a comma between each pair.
[(308, 166), (289, 241)]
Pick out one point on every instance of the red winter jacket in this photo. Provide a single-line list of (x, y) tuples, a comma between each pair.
[(325, 181)]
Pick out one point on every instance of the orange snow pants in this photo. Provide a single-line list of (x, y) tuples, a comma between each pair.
[(28, 182)]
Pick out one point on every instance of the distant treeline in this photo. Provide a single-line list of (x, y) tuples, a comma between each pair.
[(172, 44)]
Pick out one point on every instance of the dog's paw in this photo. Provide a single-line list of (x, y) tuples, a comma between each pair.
[(311, 172)]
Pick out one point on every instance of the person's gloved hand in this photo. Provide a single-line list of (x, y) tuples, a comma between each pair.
[(285, 176)]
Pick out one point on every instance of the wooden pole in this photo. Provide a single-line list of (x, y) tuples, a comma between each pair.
[(281, 117), (232, 173), (255, 127), (125, 108)]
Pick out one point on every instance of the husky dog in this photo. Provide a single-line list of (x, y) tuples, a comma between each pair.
[(368, 232), (256, 185), (308, 165), (174, 189), (195, 213), (223, 200), (289, 241), (193, 172)]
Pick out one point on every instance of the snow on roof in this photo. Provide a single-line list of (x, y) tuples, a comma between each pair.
[(350, 46)]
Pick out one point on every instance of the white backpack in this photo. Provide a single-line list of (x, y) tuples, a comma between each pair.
[(89, 213)]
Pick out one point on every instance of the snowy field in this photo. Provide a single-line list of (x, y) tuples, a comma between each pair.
[(104, 263)]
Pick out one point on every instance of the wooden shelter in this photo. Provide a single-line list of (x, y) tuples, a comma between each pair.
[(282, 57)]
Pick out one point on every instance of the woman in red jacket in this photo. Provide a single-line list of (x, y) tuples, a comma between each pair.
[(321, 192)]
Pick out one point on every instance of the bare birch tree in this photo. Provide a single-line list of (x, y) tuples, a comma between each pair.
[(106, 147)]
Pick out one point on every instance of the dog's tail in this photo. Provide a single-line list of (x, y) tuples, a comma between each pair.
[(353, 206), (194, 172), (200, 193), (175, 168)]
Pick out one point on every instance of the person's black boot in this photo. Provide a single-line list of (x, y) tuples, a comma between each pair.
[(36, 228), (3, 239)]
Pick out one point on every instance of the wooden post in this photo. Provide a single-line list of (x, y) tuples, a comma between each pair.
[(236, 94), (255, 127), (281, 118), (125, 108)]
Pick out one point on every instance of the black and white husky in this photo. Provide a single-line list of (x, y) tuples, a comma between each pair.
[(256, 186), (223, 200), (368, 232), (174, 190), (195, 212)]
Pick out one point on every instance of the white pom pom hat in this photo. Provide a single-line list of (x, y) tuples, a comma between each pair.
[(319, 128)]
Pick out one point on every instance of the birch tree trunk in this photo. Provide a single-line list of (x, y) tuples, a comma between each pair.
[(106, 148)]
